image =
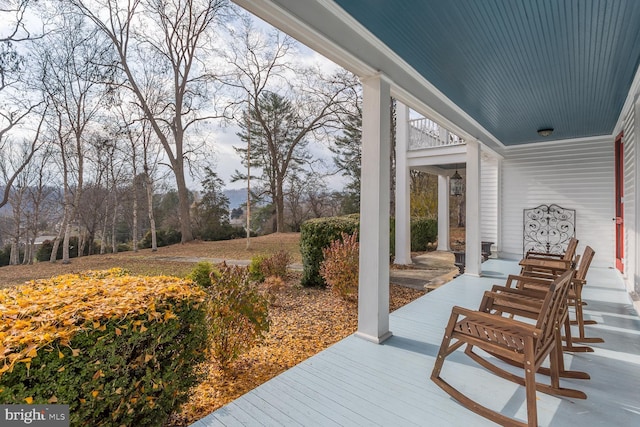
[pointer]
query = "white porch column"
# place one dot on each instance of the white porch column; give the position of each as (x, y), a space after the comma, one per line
(373, 293)
(403, 190)
(473, 250)
(443, 213)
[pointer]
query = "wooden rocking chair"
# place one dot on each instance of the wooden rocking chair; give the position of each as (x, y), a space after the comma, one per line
(557, 263)
(523, 296)
(568, 254)
(527, 345)
(574, 297)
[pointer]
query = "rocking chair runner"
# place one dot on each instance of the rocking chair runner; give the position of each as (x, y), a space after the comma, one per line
(525, 344)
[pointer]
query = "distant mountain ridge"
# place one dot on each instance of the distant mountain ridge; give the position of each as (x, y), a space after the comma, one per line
(237, 197)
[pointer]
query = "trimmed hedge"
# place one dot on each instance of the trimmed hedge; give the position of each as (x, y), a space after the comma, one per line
(318, 233)
(118, 349)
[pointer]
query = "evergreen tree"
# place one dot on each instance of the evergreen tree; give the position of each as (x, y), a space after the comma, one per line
(278, 148)
(211, 213)
(348, 152)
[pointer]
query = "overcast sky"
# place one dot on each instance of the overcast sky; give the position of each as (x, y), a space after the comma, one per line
(227, 161)
(224, 159)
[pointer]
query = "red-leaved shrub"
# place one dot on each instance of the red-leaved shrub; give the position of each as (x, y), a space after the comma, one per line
(340, 266)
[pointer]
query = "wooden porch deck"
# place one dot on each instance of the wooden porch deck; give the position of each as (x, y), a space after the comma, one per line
(358, 383)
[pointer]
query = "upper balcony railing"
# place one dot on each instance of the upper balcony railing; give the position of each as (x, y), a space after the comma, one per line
(425, 133)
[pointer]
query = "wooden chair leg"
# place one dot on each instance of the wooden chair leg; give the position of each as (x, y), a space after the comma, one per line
(561, 367)
(554, 388)
(570, 340)
(530, 383)
(582, 338)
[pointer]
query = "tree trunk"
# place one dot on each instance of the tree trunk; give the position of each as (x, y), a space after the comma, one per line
(14, 257)
(54, 249)
(56, 241)
(134, 238)
(81, 243)
(31, 251)
(183, 204)
(279, 202)
(152, 219)
(65, 244)
(103, 241)
(114, 243)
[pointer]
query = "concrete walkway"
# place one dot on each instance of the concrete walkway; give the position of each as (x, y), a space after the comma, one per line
(428, 271)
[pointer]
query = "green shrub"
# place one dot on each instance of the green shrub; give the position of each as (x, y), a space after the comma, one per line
(222, 232)
(5, 255)
(316, 234)
(255, 268)
(163, 238)
(423, 232)
(341, 265)
(274, 265)
(238, 315)
(119, 350)
(202, 274)
(124, 247)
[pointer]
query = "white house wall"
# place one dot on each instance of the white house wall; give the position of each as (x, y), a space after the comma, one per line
(489, 199)
(630, 201)
(573, 174)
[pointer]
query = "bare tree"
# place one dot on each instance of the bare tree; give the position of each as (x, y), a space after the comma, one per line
(149, 164)
(72, 74)
(16, 200)
(14, 107)
(168, 36)
(12, 163)
(39, 203)
(12, 15)
(290, 105)
(25, 199)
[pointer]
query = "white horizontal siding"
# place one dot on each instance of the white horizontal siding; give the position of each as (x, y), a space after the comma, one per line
(630, 202)
(576, 175)
(489, 200)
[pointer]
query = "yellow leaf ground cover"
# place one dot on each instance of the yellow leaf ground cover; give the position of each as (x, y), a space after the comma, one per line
(34, 315)
(304, 321)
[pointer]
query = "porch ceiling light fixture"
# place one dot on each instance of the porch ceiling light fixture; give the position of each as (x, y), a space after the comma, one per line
(545, 131)
(456, 184)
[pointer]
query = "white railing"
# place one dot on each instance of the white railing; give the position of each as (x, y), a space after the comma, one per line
(425, 133)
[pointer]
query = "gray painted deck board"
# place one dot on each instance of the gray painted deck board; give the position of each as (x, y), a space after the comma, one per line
(357, 383)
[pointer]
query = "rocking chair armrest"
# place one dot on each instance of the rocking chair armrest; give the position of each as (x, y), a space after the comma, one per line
(511, 304)
(526, 292)
(539, 275)
(527, 279)
(533, 254)
(546, 264)
(497, 322)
